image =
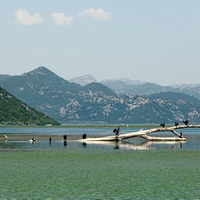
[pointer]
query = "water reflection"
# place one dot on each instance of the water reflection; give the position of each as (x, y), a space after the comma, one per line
(116, 145)
(84, 144)
(65, 143)
(147, 145)
(50, 140)
(45, 144)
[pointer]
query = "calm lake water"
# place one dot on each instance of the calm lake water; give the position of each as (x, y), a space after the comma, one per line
(193, 142)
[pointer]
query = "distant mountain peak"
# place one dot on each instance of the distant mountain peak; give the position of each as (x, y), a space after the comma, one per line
(131, 82)
(122, 81)
(83, 80)
(40, 70)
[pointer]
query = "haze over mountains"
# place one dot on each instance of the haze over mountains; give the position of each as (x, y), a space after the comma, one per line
(93, 102)
(83, 80)
(124, 85)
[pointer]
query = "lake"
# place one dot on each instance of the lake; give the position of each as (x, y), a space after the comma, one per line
(193, 136)
(98, 170)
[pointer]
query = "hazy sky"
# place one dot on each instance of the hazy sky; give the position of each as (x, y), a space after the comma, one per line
(150, 40)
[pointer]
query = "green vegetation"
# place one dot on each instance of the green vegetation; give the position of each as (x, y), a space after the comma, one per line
(100, 174)
(13, 111)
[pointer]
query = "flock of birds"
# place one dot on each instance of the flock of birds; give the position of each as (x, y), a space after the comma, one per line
(186, 122)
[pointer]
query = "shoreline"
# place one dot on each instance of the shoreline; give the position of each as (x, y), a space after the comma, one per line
(14, 137)
(81, 126)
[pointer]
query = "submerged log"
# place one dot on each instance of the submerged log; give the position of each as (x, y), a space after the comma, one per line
(143, 134)
(150, 138)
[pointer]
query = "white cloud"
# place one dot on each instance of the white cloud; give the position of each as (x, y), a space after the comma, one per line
(98, 14)
(23, 17)
(62, 19)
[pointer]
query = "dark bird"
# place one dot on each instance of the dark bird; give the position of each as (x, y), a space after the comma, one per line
(84, 136)
(186, 122)
(176, 123)
(181, 134)
(163, 125)
(116, 131)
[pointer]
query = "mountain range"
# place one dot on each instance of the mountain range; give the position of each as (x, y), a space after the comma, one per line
(152, 88)
(70, 102)
(124, 86)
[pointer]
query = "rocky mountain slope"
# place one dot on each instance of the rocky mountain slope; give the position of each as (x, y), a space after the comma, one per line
(51, 94)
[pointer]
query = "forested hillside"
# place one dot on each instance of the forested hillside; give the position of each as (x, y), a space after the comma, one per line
(14, 112)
